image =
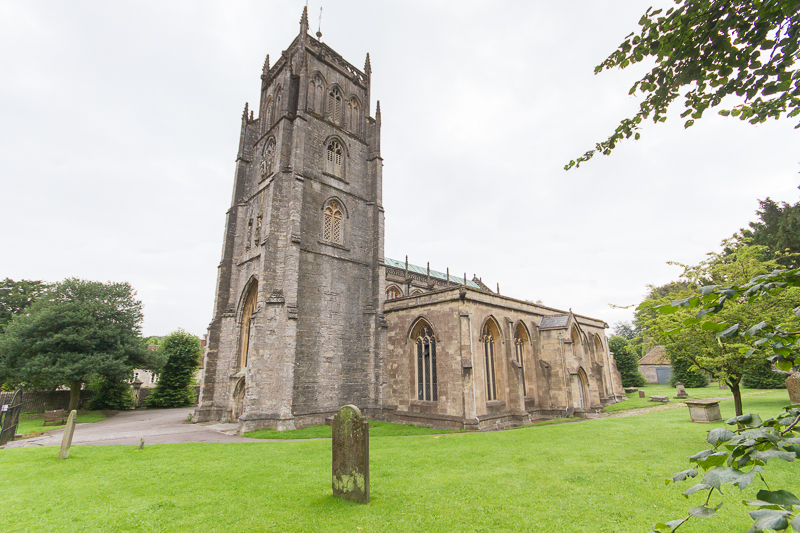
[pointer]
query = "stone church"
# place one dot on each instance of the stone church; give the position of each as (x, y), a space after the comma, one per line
(310, 315)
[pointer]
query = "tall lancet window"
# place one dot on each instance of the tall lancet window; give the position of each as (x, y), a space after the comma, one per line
(247, 323)
(427, 386)
(335, 105)
(353, 117)
(316, 94)
(334, 160)
(487, 338)
(332, 229)
(519, 354)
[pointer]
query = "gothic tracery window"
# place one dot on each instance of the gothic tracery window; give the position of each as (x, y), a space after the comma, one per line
(246, 324)
(427, 385)
(334, 158)
(487, 338)
(332, 229)
(316, 94)
(335, 105)
(392, 293)
(268, 159)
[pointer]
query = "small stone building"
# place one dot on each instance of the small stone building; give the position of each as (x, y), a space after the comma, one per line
(310, 315)
(655, 366)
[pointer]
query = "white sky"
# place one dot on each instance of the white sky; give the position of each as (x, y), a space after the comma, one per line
(119, 125)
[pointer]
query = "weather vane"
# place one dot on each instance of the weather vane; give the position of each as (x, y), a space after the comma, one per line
(319, 28)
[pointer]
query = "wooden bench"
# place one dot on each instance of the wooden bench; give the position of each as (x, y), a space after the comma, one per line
(55, 416)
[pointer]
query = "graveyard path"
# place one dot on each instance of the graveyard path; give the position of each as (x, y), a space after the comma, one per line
(156, 426)
(673, 404)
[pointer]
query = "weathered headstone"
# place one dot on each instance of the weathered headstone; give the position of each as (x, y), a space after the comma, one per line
(66, 441)
(659, 398)
(141, 443)
(793, 386)
(641, 394)
(350, 477)
(681, 391)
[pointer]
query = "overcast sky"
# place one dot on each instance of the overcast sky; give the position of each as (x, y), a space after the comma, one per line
(119, 125)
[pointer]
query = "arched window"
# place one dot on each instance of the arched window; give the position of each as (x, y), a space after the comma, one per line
(332, 229)
(316, 94)
(393, 292)
(598, 349)
(278, 100)
(335, 105)
(519, 354)
(269, 111)
(417, 292)
(427, 386)
(247, 319)
(353, 116)
(488, 340)
(334, 162)
(268, 158)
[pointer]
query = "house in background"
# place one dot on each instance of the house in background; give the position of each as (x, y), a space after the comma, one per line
(655, 366)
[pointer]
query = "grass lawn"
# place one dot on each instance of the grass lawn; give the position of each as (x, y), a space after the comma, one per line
(604, 475)
(33, 423)
(712, 391)
(323, 431)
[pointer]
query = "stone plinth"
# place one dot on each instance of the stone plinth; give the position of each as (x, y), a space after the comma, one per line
(659, 398)
(629, 390)
(793, 386)
(704, 410)
(350, 477)
(681, 391)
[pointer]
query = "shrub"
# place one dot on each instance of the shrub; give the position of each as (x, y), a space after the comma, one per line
(764, 377)
(627, 362)
(108, 393)
(174, 388)
(690, 378)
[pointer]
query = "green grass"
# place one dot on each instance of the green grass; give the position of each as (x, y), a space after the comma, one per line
(604, 475)
(323, 431)
(712, 391)
(33, 423)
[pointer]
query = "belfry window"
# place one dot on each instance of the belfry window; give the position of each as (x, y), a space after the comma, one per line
(353, 117)
(334, 158)
(268, 159)
(427, 386)
(392, 293)
(332, 229)
(335, 105)
(488, 353)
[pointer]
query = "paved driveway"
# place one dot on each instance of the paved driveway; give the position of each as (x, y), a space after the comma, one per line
(156, 426)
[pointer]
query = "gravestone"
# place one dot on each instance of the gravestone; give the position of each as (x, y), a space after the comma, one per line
(350, 477)
(641, 394)
(793, 386)
(659, 398)
(681, 391)
(629, 390)
(66, 441)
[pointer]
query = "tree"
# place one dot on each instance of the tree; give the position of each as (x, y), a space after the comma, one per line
(627, 330)
(627, 362)
(76, 330)
(682, 373)
(715, 49)
(722, 357)
(778, 231)
(16, 296)
(174, 387)
(764, 376)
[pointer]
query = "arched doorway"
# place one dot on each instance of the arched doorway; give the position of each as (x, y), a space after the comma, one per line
(583, 389)
(246, 323)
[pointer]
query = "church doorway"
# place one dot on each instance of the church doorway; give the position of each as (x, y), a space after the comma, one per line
(238, 399)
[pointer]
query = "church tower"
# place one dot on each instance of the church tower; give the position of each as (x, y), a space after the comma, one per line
(298, 328)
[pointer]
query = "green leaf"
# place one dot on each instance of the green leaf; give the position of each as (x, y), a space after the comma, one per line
(702, 511)
(778, 497)
(719, 475)
(796, 522)
(748, 420)
(715, 436)
(766, 455)
(745, 479)
(697, 488)
(680, 476)
(712, 326)
(729, 332)
(769, 519)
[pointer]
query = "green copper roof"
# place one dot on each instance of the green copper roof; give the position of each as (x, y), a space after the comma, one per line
(424, 271)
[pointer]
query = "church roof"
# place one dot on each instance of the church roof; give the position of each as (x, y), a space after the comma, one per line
(424, 271)
(554, 321)
(656, 356)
